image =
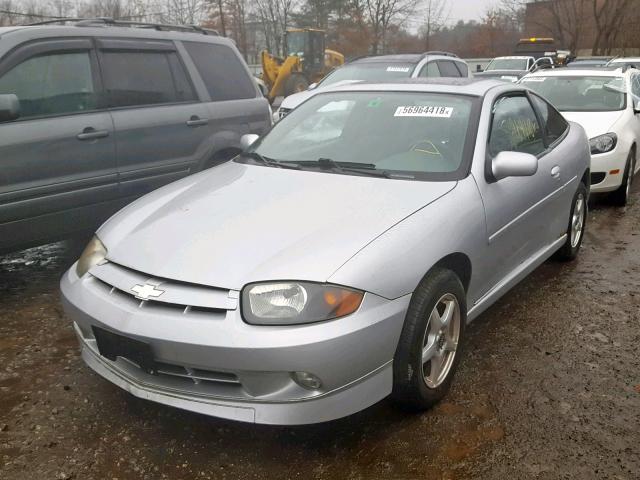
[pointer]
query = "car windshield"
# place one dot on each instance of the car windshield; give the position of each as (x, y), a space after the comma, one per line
(369, 72)
(579, 93)
(416, 134)
(507, 64)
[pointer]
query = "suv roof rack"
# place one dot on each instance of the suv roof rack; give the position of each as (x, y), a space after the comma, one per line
(438, 52)
(106, 21)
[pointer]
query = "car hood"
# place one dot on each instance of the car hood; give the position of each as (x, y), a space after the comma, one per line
(236, 224)
(594, 123)
(295, 99)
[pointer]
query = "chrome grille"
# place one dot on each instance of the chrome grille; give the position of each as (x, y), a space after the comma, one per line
(179, 297)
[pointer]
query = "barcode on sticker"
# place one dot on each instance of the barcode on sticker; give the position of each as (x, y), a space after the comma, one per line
(398, 69)
(424, 111)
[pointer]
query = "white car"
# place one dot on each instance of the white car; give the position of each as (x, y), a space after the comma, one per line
(606, 102)
(381, 69)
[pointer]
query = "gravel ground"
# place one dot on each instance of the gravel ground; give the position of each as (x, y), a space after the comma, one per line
(549, 388)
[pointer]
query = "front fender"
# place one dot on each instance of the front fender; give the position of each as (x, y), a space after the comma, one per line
(394, 264)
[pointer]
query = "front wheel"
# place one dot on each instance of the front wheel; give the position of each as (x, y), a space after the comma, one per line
(622, 195)
(577, 222)
(429, 348)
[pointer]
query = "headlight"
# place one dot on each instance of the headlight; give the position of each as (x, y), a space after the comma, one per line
(603, 143)
(292, 303)
(94, 253)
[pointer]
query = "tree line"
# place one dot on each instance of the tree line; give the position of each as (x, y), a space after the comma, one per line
(360, 27)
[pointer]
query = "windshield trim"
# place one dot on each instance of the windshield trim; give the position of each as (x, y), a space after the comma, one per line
(464, 169)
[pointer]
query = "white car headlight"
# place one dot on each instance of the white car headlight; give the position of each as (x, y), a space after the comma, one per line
(291, 303)
(603, 143)
(94, 253)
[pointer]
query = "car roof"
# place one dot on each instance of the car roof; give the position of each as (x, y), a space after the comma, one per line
(515, 57)
(402, 58)
(98, 30)
(625, 59)
(461, 86)
(585, 71)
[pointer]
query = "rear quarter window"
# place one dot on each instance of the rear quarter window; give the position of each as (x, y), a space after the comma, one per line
(222, 71)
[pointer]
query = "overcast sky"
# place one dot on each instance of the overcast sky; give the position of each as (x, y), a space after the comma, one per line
(469, 9)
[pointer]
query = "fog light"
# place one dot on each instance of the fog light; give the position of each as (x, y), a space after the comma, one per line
(307, 380)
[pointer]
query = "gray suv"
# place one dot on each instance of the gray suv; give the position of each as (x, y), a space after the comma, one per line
(95, 113)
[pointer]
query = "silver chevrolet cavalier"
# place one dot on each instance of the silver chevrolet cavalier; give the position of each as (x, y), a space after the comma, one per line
(339, 258)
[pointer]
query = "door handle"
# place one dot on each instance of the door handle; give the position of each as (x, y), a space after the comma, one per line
(196, 121)
(91, 133)
(555, 172)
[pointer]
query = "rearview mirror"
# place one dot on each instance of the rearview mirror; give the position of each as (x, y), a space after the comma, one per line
(9, 107)
(514, 164)
(247, 140)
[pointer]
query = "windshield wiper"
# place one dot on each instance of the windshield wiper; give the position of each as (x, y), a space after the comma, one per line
(347, 167)
(269, 161)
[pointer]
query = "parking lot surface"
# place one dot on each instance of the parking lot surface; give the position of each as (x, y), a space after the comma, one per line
(549, 387)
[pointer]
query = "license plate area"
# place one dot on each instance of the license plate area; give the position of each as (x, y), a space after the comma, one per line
(111, 346)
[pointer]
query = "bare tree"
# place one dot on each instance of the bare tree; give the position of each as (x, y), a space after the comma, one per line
(436, 14)
(609, 16)
(381, 14)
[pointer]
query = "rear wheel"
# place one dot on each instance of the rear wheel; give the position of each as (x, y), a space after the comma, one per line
(622, 195)
(429, 348)
(296, 82)
(577, 222)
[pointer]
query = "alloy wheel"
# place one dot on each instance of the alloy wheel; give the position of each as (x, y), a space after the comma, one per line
(440, 341)
(577, 220)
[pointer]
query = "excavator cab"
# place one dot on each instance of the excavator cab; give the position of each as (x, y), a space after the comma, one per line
(306, 61)
(308, 45)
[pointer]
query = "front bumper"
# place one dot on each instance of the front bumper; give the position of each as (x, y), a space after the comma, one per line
(603, 164)
(216, 364)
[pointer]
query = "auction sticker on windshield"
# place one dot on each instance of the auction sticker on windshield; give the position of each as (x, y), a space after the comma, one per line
(424, 111)
(398, 69)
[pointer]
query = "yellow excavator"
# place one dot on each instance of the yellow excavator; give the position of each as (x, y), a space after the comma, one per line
(307, 62)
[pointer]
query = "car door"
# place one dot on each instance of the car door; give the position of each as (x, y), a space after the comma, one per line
(57, 160)
(160, 126)
(518, 209)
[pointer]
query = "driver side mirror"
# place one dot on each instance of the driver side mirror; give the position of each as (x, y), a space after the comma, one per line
(9, 107)
(313, 86)
(247, 140)
(636, 106)
(514, 164)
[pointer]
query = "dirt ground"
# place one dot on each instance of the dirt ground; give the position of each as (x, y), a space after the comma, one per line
(549, 388)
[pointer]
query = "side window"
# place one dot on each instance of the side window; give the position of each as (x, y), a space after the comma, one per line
(515, 127)
(52, 84)
(448, 69)
(554, 124)
(463, 68)
(135, 78)
(222, 71)
(430, 70)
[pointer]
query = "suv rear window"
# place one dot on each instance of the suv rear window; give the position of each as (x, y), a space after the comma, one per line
(222, 71)
(144, 78)
(448, 68)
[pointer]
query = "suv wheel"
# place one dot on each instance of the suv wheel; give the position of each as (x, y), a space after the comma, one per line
(429, 348)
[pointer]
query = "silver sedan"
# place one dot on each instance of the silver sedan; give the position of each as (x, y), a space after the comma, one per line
(337, 260)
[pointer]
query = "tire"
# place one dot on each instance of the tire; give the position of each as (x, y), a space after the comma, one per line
(296, 82)
(569, 251)
(621, 196)
(410, 387)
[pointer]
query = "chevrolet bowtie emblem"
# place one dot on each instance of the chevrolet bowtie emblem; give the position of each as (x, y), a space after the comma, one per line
(146, 291)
